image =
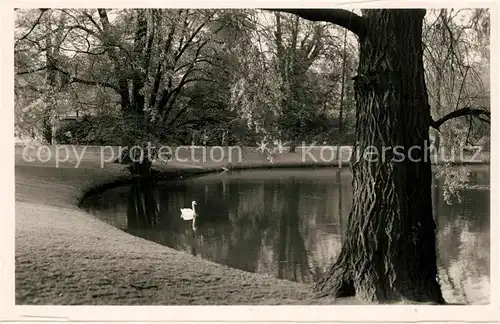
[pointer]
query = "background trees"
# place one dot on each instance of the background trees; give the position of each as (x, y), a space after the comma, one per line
(456, 56)
(258, 73)
(176, 71)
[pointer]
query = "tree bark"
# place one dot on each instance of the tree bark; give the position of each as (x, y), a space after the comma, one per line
(389, 251)
(341, 107)
(341, 17)
(439, 81)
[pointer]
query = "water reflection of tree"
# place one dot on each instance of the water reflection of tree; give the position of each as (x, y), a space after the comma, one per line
(340, 203)
(242, 235)
(324, 241)
(463, 245)
(292, 262)
(143, 205)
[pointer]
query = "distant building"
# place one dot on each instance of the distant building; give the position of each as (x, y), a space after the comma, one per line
(63, 121)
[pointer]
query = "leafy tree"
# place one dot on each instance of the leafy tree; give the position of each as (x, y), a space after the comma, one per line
(43, 95)
(295, 54)
(456, 57)
(287, 82)
(302, 49)
(150, 67)
(255, 92)
(183, 67)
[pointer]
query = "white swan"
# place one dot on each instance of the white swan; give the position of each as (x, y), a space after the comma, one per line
(189, 213)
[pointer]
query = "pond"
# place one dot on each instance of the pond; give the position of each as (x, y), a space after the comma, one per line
(289, 223)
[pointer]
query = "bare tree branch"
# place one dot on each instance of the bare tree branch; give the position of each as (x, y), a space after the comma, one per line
(466, 111)
(85, 29)
(89, 16)
(103, 15)
(341, 17)
(42, 11)
(32, 71)
(74, 79)
(188, 42)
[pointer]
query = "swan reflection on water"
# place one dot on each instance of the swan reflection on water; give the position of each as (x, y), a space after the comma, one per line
(289, 223)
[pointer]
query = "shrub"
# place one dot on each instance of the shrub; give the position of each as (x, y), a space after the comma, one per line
(92, 130)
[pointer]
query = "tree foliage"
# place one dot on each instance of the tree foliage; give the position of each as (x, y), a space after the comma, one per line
(457, 70)
(172, 72)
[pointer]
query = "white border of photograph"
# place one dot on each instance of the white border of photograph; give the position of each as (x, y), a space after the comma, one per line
(202, 314)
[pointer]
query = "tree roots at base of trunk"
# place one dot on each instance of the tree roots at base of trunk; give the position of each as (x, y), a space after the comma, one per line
(338, 284)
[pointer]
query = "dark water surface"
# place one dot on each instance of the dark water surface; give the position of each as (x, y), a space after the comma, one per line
(289, 223)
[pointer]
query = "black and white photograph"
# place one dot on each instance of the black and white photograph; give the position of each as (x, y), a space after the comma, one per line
(246, 156)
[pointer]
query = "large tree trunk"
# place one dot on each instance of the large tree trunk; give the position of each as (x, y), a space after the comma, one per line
(137, 136)
(47, 129)
(133, 101)
(389, 251)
